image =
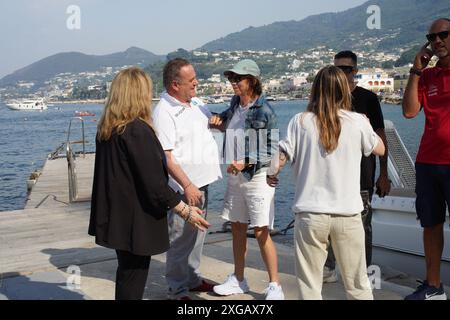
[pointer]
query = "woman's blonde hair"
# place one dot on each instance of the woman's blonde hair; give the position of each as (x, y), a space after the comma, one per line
(330, 93)
(130, 98)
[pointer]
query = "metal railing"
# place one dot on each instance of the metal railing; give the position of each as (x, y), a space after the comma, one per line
(401, 167)
(83, 141)
(71, 157)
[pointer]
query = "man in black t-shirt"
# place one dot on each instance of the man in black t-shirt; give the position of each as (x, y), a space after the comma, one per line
(365, 102)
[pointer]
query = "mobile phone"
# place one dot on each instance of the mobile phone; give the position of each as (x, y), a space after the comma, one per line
(427, 57)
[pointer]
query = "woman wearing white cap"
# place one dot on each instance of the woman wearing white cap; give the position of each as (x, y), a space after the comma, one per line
(251, 130)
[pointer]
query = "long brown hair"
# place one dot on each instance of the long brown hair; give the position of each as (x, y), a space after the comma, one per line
(255, 85)
(130, 98)
(330, 93)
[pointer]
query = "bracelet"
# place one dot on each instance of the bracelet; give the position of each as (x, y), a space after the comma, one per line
(415, 71)
(190, 184)
(189, 217)
(190, 214)
(182, 210)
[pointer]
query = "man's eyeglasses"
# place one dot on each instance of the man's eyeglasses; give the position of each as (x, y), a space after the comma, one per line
(442, 35)
(235, 78)
(346, 69)
(187, 83)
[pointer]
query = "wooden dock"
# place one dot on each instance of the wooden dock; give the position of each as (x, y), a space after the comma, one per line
(39, 244)
(52, 189)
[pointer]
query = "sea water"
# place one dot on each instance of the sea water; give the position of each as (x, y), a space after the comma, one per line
(27, 137)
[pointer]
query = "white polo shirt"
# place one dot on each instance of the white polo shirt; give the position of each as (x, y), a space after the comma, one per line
(184, 130)
(328, 182)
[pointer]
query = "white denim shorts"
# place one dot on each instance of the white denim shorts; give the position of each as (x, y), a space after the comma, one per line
(251, 202)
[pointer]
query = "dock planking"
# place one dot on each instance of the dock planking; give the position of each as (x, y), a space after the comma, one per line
(53, 183)
(49, 235)
(28, 236)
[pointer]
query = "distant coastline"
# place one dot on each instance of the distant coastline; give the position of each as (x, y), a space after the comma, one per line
(54, 102)
(89, 101)
(386, 100)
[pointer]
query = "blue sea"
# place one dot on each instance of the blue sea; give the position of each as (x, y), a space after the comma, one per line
(27, 137)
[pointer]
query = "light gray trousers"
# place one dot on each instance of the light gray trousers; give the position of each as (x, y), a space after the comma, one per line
(311, 235)
(184, 255)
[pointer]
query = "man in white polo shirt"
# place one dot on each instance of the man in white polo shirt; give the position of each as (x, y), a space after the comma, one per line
(181, 122)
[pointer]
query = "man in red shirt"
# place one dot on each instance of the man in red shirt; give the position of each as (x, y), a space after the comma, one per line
(429, 89)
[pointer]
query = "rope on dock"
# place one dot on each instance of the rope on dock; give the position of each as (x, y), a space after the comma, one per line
(55, 198)
(56, 154)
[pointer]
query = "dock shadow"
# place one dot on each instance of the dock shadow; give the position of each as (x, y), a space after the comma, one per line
(39, 286)
(101, 264)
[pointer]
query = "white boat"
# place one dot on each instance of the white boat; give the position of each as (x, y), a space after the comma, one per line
(38, 104)
(397, 234)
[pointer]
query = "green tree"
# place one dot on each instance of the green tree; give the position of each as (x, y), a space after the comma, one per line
(388, 64)
(407, 56)
(180, 53)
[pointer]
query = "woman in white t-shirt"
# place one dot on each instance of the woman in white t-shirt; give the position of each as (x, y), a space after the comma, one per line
(325, 145)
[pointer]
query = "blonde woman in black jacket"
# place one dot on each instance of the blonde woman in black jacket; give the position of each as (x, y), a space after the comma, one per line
(130, 195)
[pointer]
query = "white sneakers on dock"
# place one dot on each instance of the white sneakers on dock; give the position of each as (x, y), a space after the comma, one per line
(274, 292)
(329, 275)
(233, 286)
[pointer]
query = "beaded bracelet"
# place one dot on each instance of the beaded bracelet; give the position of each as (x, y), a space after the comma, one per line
(186, 218)
(182, 211)
(189, 218)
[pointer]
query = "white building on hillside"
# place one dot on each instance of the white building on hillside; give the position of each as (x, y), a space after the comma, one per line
(295, 64)
(215, 78)
(274, 85)
(375, 80)
(300, 79)
(27, 85)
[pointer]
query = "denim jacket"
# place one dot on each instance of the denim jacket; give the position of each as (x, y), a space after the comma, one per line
(261, 123)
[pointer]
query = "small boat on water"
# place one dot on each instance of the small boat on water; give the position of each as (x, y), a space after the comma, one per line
(84, 114)
(38, 104)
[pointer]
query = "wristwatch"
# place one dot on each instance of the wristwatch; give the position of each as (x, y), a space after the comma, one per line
(415, 71)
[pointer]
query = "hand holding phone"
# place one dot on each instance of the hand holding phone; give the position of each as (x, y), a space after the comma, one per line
(423, 57)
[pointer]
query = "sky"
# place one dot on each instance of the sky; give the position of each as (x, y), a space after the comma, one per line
(34, 29)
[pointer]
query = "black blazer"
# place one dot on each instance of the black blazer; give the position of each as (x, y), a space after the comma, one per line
(130, 194)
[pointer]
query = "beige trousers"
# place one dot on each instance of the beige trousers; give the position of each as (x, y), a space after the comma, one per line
(347, 239)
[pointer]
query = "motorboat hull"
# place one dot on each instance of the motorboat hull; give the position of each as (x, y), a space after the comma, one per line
(398, 237)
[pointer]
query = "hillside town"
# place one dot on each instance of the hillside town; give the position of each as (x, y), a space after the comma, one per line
(287, 75)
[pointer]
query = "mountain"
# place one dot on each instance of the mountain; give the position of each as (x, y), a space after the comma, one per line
(403, 23)
(76, 62)
(408, 56)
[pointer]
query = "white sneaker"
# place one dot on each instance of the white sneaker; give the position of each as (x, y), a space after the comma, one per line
(274, 292)
(329, 275)
(231, 286)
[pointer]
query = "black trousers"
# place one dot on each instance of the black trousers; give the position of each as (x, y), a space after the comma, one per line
(366, 217)
(131, 275)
